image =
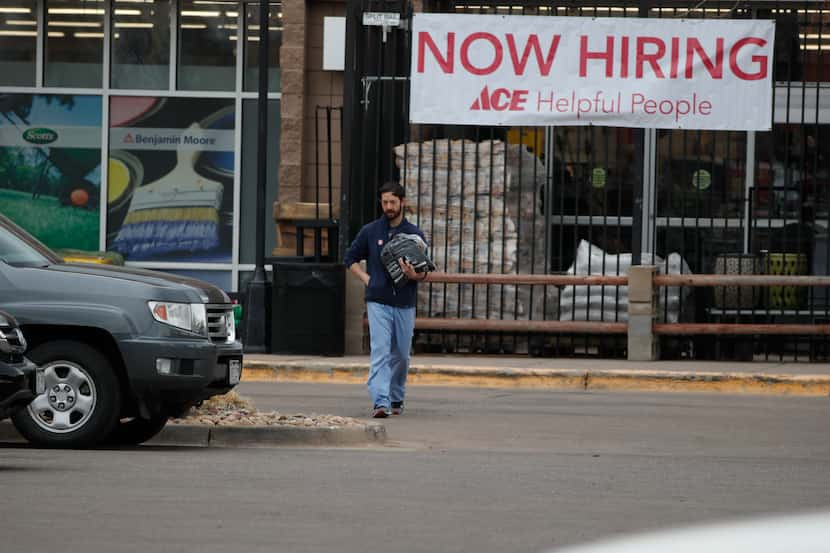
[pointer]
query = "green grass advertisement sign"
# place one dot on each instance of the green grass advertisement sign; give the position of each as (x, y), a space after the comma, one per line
(50, 167)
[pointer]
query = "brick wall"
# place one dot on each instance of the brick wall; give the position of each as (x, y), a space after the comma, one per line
(303, 142)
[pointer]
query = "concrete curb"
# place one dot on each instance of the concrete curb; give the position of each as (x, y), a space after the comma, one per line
(600, 379)
(195, 435)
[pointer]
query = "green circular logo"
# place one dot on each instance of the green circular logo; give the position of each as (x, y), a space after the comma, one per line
(701, 179)
(40, 136)
(598, 177)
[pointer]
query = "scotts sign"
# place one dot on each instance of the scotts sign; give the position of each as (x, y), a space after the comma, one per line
(40, 136)
(622, 72)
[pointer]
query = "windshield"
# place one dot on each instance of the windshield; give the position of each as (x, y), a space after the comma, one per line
(19, 249)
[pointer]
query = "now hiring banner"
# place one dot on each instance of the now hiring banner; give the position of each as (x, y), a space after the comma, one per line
(623, 72)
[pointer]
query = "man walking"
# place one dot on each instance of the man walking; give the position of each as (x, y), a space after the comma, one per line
(391, 310)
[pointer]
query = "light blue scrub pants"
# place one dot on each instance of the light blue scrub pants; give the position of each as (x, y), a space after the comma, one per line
(390, 330)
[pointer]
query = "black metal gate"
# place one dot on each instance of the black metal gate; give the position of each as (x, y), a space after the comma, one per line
(597, 199)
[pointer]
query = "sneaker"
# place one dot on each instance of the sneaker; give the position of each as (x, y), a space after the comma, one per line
(380, 412)
(397, 407)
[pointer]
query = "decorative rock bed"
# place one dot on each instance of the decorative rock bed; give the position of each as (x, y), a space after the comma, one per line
(232, 409)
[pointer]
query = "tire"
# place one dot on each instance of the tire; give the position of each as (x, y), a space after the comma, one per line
(136, 431)
(82, 402)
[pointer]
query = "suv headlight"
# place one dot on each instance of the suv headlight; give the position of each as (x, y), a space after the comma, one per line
(186, 316)
(230, 326)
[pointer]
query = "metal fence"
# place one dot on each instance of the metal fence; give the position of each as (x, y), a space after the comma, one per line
(593, 200)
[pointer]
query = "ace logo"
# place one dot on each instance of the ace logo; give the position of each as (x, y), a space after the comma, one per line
(501, 99)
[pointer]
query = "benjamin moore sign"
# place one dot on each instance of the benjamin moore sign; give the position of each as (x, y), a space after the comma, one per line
(130, 138)
(625, 72)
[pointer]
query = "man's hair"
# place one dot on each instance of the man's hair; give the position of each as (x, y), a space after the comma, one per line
(394, 188)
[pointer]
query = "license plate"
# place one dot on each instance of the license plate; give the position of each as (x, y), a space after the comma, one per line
(234, 371)
(40, 381)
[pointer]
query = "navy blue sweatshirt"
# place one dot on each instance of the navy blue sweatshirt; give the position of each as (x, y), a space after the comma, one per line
(368, 245)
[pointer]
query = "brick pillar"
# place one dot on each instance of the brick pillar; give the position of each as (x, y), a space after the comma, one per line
(292, 83)
(643, 345)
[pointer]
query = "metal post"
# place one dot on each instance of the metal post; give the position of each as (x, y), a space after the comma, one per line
(351, 180)
(257, 306)
(640, 134)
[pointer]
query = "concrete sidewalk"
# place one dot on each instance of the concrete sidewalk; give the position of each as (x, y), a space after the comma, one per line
(811, 379)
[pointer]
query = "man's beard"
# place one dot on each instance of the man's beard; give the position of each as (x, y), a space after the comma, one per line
(392, 214)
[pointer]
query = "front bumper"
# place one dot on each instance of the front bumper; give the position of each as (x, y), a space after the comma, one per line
(18, 386)
(198, 368)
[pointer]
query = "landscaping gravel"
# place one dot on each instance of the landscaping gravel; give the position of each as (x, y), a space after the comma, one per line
(232, 409)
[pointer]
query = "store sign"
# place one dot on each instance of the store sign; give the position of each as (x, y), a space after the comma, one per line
(171, 139)
(53, 137)
(622, 72)
(40, 136)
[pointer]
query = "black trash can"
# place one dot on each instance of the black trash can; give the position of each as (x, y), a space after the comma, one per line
(308, 315)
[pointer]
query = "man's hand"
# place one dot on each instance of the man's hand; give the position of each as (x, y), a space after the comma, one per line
(357, 270)
(409, 270)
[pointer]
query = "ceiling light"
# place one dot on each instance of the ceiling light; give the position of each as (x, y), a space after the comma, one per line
(193, 26)
(200, 13)
(22, 23)
(134, 25)
(18, 33)
(74, 24)
(232, 14)
(56, 34)
(14, 10)
(76, 11)
(128, 12)
(88, 35)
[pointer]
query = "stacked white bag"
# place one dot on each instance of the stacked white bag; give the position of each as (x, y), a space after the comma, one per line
(455, 191)
(610, 303)
(473, 200)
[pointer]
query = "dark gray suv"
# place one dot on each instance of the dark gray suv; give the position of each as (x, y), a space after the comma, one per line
(122, 349)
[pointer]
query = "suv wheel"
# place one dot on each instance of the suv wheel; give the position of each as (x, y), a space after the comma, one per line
(136, 431)
(82, 400)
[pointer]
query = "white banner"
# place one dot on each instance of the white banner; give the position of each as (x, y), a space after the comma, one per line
(622, 72)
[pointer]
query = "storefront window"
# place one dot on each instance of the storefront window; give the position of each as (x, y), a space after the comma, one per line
(252, 47)
(141, 45)
(171, 175)
(791, 207)
(791, 173)
(700, 174)
(594, 171)
(247, 225)
(802, 41)
(74, 43)
(18, 42)
(50, 167)
(207, 45)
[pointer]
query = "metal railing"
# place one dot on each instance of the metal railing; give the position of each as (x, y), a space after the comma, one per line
(667, 329)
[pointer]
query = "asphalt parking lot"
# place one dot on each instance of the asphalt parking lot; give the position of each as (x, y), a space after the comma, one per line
(464, 469)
